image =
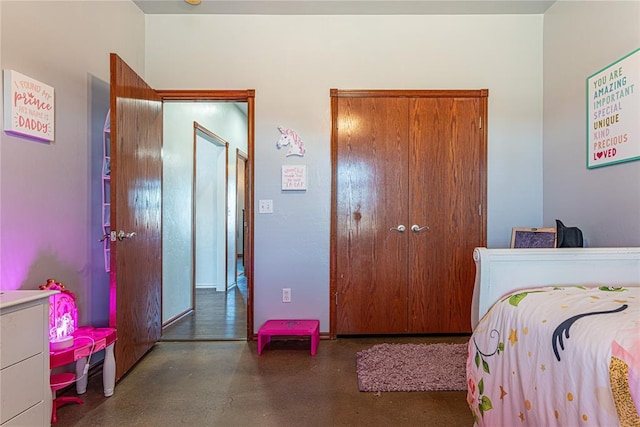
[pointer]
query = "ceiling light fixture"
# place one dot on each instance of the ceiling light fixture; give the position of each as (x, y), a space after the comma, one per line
(192, 2)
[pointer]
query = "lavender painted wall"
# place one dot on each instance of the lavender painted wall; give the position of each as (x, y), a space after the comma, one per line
(604, 202)
(47, 217)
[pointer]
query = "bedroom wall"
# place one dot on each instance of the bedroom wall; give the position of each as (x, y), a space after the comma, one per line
(580, 39)
(48, 226)
(293, 61)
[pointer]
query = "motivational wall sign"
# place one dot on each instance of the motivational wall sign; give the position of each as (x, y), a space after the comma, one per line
(294, 177)
(28, 107)
(613, 112)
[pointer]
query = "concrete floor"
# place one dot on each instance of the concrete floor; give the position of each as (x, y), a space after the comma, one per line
(225, 383)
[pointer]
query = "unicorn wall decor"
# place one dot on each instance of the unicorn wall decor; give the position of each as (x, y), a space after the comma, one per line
(291, 139)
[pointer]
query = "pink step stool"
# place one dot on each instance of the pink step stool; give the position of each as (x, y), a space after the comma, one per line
(289, 327)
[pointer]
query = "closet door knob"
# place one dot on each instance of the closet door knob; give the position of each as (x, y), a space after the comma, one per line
(416, 228)
(399, 229)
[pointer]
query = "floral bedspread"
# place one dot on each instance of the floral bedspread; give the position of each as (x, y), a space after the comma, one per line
(557, 356)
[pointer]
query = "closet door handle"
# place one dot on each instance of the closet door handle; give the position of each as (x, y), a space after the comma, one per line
(122, 235)
(399, 229)
(416, 228)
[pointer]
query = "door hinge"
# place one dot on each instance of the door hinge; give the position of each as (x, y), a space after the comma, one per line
(480, 122)
(336, 298)
(480, 209)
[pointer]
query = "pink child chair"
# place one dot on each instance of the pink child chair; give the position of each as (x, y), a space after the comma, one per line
(59, 381)
(63, 319)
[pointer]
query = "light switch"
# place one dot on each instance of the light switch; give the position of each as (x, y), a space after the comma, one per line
(265, 206)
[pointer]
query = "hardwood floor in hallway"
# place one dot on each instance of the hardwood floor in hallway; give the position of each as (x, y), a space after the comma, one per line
(217, 316)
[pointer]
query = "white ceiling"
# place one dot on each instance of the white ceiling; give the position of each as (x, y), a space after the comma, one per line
(346, 7)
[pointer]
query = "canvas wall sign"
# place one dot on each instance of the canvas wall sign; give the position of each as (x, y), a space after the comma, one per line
(613, 108)
(29, 108)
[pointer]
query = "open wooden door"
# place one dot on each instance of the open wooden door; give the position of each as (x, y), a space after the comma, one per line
(136, 239)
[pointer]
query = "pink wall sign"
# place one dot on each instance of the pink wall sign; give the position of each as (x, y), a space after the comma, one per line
(28, 107)
(294, 177)
(613, 109)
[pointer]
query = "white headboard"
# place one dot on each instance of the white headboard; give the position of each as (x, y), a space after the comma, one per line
(499, 271)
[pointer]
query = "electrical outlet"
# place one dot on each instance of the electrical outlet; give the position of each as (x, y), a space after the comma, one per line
(286, 294)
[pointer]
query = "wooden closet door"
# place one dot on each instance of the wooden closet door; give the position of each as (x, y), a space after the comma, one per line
(411, 158)
(370, 202)
(446, 163)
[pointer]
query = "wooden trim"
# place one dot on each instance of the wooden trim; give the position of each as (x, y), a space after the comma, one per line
(198, 126)
(333, 286)
(221, 143)
(177, 317)
(247, 96)
(389, 93)
(248, 250)
(204, 95)
(484, 114)
(194, 234)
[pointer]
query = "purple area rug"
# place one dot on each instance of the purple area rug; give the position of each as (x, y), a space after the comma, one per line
(412, 367)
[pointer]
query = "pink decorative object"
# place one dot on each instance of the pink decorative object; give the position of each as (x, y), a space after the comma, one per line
(289, 138)
(63, 315)
(87, 341)
(289, 327)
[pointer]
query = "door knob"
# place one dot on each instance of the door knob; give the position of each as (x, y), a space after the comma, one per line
(399, 228)
(416, 228)
(122, 235)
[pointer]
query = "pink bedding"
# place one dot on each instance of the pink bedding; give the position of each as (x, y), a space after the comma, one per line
(557, 356)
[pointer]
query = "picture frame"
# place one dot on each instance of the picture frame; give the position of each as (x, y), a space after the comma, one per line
(532, 237)
(613, 129)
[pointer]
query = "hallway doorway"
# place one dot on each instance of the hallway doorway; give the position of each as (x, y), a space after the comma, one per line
(196, 308)
(219, 310)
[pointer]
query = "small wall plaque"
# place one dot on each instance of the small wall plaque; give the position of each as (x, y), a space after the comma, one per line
(294, 177)
(28, 107)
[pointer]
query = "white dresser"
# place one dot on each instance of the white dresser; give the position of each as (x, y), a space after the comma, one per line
(25, 395)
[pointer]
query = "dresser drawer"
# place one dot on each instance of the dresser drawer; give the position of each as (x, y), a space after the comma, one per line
(21, 386)
(31, 417)
(21, 333)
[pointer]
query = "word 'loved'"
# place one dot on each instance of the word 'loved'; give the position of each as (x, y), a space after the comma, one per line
(606, 154)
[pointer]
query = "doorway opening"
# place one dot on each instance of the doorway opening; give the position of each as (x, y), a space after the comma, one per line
(216, 302)
(218, 309)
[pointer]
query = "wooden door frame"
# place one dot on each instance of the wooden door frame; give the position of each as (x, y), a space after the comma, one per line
(243, 157)
(218, 142)
(247, 96)
(365, 93)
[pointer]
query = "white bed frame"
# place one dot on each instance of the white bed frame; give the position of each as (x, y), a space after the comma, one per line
(499, 271)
